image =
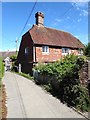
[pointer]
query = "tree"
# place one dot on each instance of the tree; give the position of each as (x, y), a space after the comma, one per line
(87, 50)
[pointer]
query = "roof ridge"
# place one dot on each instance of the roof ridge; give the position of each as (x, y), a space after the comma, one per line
(34, 25)
(58, 30)
(50, 36)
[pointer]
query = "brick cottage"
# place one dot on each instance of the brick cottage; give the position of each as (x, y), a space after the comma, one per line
(42, 45)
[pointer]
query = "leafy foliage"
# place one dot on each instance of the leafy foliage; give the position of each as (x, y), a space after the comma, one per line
(13, 57)
(63, 81)
(26, 76)
(14, 63)
(87, 50)
(1, 70)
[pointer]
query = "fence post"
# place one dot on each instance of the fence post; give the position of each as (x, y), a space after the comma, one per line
(19, 68)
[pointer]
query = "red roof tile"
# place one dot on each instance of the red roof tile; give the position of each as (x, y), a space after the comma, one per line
(53, 37)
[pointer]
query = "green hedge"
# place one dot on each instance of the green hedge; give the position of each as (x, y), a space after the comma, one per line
(87, 50)
(1, 70)
(62, 79)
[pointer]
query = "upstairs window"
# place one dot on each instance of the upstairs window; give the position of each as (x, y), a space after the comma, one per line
(27, 50)
(65, 50)
(45, 49)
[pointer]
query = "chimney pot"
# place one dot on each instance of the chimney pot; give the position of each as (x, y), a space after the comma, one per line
(39, 19)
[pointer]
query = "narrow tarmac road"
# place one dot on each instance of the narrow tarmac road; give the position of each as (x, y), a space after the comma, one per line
(27, 100)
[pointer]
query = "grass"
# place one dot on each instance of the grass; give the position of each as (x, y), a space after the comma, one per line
(26, 76)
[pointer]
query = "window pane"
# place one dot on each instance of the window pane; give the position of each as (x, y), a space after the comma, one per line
(26, 50)
(45, 48)
(65, 50)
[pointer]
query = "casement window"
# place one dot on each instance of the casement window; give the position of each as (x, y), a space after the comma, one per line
(65, 50)
(27, 50)
(45, 49)
(80, 52)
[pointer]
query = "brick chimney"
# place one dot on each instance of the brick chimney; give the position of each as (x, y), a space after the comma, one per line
(39, 19)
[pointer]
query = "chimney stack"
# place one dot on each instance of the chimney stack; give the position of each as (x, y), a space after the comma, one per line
(39, 19)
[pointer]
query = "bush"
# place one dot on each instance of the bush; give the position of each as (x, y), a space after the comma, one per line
(14, 63)
(1, 70)
(87, 50)
(63, 81)
(13, 57)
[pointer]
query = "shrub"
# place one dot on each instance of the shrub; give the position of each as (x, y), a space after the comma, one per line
(63, 81)
(87, 50)
(14, 63)
(13, 57)
(1, 70)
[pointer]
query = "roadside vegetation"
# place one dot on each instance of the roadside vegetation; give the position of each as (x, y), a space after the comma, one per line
(15, 69)
(62, 80)
(3, 108)
(1, 70)
(26, 75)
(87, 51)
(14, 60)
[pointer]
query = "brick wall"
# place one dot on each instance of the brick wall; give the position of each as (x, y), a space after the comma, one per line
(53, 55)
(74, 51)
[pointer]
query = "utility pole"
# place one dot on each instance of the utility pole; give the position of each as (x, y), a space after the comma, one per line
(16, 45)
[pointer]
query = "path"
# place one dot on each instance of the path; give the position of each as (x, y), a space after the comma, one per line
(27, 100)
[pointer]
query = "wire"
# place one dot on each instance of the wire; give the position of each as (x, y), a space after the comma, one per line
(24, 25)
(28, 19)
(68, 10)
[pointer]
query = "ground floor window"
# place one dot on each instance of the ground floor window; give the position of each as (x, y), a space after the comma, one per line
(80, 51)
(65, 50)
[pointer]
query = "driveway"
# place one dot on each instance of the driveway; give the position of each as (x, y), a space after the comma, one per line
(27, 100)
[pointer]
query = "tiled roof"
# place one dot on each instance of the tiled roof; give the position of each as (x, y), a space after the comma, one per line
(53, 37)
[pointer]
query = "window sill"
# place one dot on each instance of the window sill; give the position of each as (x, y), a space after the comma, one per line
(45, 53)
(65, 53)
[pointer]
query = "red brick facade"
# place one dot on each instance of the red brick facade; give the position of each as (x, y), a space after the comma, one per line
(53, 55)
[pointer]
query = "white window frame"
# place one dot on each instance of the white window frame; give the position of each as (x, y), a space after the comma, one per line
(45, 49)
(27, 50)
(65, 51)
(80, 51)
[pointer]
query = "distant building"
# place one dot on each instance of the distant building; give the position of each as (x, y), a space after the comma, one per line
(5, 54)
(43, 44)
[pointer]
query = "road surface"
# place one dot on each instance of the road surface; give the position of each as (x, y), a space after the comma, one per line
(27, 100)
